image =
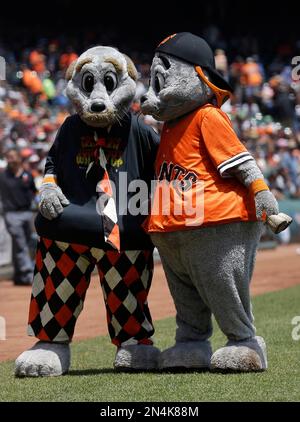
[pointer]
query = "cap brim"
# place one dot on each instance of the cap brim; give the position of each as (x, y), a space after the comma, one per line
(218, 80)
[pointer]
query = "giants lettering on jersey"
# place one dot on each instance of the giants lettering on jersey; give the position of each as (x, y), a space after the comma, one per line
(181, 178)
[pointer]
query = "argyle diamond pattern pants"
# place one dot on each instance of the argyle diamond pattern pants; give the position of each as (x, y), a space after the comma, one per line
(61, 279)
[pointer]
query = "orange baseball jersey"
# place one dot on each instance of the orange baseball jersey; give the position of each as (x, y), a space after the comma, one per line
(195, 155)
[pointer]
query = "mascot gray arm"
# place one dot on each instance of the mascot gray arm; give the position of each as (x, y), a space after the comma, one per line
(247, 173)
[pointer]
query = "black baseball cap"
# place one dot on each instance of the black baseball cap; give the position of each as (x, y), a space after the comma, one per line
(194, 50)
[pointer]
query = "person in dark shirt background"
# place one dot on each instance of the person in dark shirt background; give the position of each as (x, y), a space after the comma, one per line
(17, 191)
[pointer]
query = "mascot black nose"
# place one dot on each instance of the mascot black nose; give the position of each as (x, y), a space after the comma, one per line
(97, 107)
(143, 98)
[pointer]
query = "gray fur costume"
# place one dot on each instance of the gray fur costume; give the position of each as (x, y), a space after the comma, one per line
(209, 268)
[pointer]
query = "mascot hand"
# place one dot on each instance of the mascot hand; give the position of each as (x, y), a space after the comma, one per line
(265, 203)
(52, 201)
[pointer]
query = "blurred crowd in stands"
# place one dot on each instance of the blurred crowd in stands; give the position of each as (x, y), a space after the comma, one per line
(265, 107)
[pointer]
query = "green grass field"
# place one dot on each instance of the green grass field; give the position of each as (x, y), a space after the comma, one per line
(92, 378)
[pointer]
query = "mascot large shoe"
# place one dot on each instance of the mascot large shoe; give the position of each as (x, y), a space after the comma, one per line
(85, 220)
(207, 168)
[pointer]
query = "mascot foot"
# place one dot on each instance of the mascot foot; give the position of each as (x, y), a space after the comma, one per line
(138, 357)
(43, 360)
(187, 355)
(241, 356)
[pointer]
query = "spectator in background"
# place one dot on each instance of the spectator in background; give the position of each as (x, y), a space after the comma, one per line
(17, 191)
(37, 60)
(284, 102)
(67, 58)
(251, 78)
(289, 162)
(32, 82)
(221, 62)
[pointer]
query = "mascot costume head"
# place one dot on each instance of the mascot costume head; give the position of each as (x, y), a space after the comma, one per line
(183, 77)
(101, 86)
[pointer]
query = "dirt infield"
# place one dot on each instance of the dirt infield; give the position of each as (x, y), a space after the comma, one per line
(276, 269)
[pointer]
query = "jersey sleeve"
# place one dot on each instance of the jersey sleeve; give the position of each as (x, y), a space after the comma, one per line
(223, 146)
(32, 185)
(52, 157)
(153, 139)
(150, 142)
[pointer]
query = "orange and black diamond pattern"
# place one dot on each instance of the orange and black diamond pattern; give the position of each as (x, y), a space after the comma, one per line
(61, 279)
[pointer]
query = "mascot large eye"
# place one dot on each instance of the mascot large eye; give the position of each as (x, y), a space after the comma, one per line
(87, 82)
(110, 81)
(165, 61)
(159, 82)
